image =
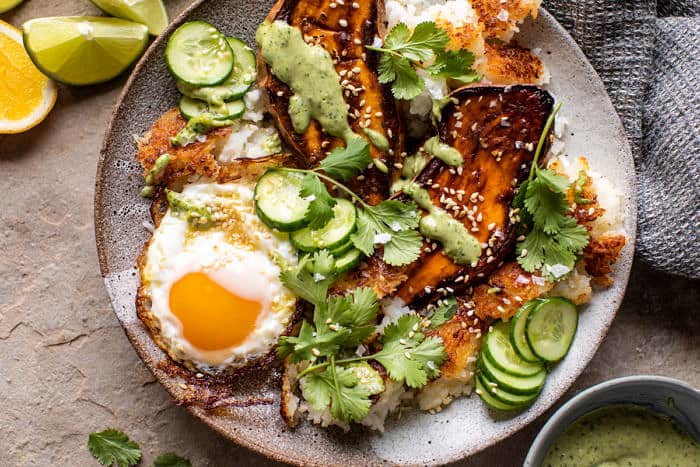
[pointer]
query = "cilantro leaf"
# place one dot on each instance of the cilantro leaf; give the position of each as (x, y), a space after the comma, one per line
(398, 36)
(547, 207)
(403, 248)
(553, 181)
(406, 82)
(426, 40)
(342, 389)
(398, 215)
(394, 223)
(363, 237)
(345, 163)
(443, 313)
(321, 206)
(454, 64)
(112, 446)
(531, 254)
(320, 262)
(312, 345)
(572, 235)
(303, 283)
(169, 459)
(408, 355)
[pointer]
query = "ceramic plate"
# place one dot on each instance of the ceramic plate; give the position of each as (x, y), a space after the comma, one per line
(252, 419)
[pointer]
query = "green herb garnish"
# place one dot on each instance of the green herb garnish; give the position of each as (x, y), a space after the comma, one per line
(335, 377)
(445, 310)
(578, 188)
(391, 223)
(404, 50)
(169, 459)
(554, 238)
(112, 446)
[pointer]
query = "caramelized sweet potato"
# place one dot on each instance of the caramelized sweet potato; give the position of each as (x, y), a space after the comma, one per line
(496, 130)
(342, 30)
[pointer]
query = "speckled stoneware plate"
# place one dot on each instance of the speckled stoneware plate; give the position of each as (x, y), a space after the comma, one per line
(252, 419)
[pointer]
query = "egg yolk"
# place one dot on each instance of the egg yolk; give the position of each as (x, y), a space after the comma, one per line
(212, 317)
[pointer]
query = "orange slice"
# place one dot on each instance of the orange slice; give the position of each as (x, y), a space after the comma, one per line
(26, 95)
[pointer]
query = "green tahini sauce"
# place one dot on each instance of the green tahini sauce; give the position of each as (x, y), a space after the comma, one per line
(442, 151)
(379, 140)
(308, 70)
(413, 164)
(622, 436)
(439, 225)
(196, 126)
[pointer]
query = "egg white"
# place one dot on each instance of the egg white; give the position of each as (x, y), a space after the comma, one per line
(240, 253)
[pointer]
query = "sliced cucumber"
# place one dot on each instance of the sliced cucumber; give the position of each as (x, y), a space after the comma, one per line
(199, 55)
(551, 328)
(348, 261)
(278, 202)
(514, 384)
(517, 332)
(234, 87)
(499, 349)
(332, 235)
(515, 400)
(342, 249)
(244, 69)
(488, 399)
(192, 107)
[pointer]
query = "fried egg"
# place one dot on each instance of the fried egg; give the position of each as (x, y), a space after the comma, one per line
(211, 293)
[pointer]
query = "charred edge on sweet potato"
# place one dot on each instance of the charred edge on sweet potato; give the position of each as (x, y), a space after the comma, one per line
(496, 130)
(319, 24)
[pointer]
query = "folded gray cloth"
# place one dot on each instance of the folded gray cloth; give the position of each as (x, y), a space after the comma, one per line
(647, 52)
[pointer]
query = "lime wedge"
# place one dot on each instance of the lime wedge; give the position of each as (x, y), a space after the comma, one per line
(152, 13)
(81, 50)
(7, 5)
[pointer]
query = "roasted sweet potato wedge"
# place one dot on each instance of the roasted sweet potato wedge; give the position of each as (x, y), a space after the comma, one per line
(496, 130)
(343, 29)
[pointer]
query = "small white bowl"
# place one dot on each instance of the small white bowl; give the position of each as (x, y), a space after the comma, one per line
(668, 396)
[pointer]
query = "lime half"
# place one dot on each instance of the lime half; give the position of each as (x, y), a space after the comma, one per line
(152, 13)
(7, 5)
(81, 50)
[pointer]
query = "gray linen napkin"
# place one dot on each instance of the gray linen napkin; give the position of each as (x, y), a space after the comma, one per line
(647, 53)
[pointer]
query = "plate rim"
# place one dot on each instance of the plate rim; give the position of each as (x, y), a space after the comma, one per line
(262, 449)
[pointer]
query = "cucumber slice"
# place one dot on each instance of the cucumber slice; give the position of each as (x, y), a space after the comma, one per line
(192, 107)
(488, 399)
(277, 200)
(348, 261)
(332, 235)
(551, 328)
(514, 384)
(517, 332)
(198, 54)
(500, 350)
(342, 249)
(244, 69)
(234, 87)
(515, 400)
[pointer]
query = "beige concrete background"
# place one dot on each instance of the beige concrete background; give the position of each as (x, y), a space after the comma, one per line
(67, 369)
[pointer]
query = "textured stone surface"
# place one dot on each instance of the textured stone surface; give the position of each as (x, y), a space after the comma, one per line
(66, 368)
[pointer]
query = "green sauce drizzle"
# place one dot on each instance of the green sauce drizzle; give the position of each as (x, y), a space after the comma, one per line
(198, 125)
(376, 138)
(413, 164)
(444, 152)
(439, 225)
(308, 70)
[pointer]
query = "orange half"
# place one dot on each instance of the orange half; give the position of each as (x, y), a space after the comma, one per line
(26, 95)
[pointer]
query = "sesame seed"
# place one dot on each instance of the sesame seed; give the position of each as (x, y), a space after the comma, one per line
(315, 351)
(357, 41)
(355, 5)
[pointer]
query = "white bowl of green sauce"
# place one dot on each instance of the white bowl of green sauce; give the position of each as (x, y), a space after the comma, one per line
(626, 421)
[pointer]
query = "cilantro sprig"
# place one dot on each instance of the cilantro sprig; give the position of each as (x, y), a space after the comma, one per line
(392, 224)
(554, 239)
(424, 48)
(335, 377)
(114, 447)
